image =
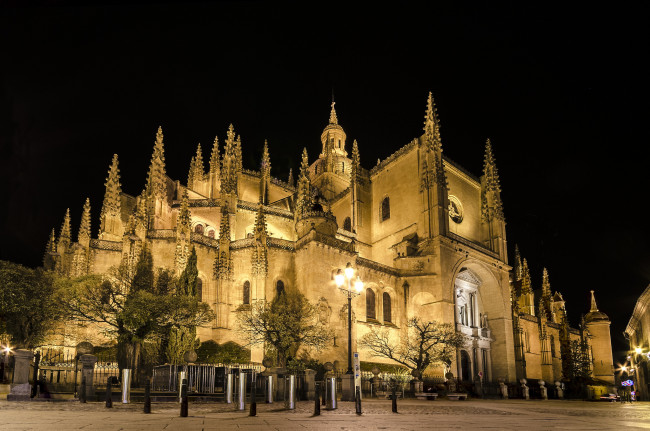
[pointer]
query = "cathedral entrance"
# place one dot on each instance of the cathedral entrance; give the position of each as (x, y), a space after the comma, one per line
(472, 321)
(465, 366)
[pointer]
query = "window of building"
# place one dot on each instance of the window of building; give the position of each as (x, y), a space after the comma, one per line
(198, 229)
(385, 209)
(279, 287)
(199, 289)
(527, 341)
(247, 292)
(552, 341)
(370, 304)
(387, 307)
(347, 224)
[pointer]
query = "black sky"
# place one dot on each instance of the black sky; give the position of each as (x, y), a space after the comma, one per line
(561, 92)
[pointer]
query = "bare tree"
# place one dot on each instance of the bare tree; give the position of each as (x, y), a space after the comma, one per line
(426, 343)
(284, 324)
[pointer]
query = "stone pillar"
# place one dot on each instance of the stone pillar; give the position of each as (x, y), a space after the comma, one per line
(347, 387)
(20, 388)
(503, 388)
(87, 371)
(543, 390)
(310, 384)
(524, 389)
(558, 388)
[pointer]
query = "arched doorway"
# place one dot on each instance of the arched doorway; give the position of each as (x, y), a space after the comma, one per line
(465, 366)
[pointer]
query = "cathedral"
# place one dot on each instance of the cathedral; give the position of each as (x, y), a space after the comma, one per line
(424, 236)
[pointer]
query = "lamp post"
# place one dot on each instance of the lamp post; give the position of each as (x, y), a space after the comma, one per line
(343, 281)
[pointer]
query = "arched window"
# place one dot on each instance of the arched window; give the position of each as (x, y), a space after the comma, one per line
(198, 229)
(199, 289)
(279, 287)
(370, 304)
(385, 209)
(247, 292)
(552, 341)
(347, 224)
(387, 308)
(211, 233)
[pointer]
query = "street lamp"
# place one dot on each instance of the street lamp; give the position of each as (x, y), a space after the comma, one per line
(351, 291)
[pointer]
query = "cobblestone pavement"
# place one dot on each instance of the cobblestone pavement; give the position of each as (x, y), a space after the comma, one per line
(377, 415)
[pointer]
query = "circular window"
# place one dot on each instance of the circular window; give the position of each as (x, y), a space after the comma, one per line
(455, 209)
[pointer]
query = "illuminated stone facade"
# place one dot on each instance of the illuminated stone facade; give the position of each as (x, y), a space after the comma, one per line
(426, 237)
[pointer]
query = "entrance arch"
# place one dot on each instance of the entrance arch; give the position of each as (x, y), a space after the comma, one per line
(465, 366)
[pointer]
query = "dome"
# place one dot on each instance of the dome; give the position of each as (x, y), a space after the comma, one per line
(595, 316)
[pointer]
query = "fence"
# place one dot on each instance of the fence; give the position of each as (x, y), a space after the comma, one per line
(201, 378)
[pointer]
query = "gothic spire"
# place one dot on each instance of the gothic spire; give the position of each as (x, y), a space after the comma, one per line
(84, 227)
(190, 174)
(199, 168)
(492, 207)
(518, 268)
(356, 166)
(259, 257)
(238, 154)
(265, 168)
(214, 157)
(546, 285)
(156, 178)
(111, 204)
(333, 119)
(490, 169)
(51, 243)
(304, 186)
(432, 126)
(65, 227)
(229, 163)
(526, 287)
(594, 307)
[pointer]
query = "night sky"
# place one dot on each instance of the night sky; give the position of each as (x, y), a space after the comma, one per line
(562, 94)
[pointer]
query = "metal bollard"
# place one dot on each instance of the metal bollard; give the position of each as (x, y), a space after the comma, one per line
(269, 390)
(229, 388)
(394, 398)
(241, 396)
(290, 401)
(358, 400)
(109, 392)
(253, 408)
(82, 391)
(317, 399)
(323, 392)
(184, 400)
(331, 393)
(126, 386)
(147, 396)
(182, 375)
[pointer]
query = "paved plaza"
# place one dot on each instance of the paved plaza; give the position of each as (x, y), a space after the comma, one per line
(377, 415)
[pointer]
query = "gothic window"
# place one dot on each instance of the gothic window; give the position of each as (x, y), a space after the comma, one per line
(552, 341)
(342, 167)
(370, 304)
(385, 209)
(527, 341)
(211, 233)
(198, 229)
(247, 292)
(387, 307)
(199, 289)
(347, 224)
(279, 287)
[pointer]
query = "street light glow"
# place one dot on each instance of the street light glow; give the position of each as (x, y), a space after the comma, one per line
(638, 350)
(338, 278)
(349, 271)
(358, 285)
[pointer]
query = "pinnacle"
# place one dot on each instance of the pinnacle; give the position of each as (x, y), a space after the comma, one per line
(84, 227)
(65, 227)
(594, 307)
(214, 156)
(266, 159)
(333, 118)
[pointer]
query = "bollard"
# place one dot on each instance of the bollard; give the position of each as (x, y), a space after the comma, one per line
(126, 386)
(184, 400)
(331, 393)
(253, 409)
(317, 400)
(182, 375)
(147, 396)
(229, 388)
(290, 402)
(109, 391)
(241, 396)
(269, 389)
(358, 399)
(323, 392)
(394, 397)
(82, 391)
